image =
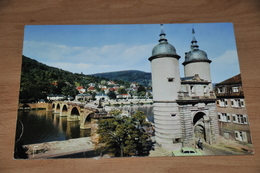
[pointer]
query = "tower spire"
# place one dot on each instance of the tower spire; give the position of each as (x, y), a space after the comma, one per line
(162, 36)
(194, 45)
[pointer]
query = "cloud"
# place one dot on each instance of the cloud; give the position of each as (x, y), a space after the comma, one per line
(229, 57)
(225, 66)
(112, 57)
(76, 67)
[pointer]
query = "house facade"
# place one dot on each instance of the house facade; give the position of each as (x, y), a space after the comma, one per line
(231, 109)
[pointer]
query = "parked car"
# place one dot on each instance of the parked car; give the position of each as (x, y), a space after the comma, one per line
(187, 151)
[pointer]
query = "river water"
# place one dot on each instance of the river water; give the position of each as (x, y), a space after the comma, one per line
(39, 126)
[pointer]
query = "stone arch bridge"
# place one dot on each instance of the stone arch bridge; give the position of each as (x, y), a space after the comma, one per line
(76, 111)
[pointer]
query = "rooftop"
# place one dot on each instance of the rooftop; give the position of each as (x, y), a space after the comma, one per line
(233, 80)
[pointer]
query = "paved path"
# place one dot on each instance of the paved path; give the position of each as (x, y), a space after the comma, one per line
(59, 148)
(159, 152)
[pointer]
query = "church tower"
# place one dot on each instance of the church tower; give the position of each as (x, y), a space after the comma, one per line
(197, 62)
(166, 85)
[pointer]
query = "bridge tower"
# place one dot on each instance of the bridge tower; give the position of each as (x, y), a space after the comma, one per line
(166, 84)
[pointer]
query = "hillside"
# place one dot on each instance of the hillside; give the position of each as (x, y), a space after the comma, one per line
(143, 78)
(38, 80)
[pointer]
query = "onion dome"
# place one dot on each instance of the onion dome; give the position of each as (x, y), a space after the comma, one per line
(195, 55)
(163, 49)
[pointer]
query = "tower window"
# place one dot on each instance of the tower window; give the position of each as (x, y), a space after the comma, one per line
(173, 115)
(170, 79)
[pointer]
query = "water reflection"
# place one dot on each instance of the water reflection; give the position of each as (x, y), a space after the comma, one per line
(38, 126)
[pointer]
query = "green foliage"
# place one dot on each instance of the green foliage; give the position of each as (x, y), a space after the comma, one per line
(111, 95)
(141, 88)
(38, 80)
(123, 136)
(122, 91)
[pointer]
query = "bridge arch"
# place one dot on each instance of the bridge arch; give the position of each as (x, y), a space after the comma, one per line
(64, 110)
(74, 114)
(75, 111)
(88, 118)
(57, 108)
(26, 106)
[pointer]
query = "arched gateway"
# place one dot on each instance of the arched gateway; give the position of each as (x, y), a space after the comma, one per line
(199, 126)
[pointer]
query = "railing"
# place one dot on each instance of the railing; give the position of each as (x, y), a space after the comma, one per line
(101, 115)
(185, 96)
(232, 94)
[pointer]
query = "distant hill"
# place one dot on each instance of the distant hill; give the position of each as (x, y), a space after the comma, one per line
(141, 77)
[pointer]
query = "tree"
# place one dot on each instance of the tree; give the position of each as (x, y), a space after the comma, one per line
(141, 88)
(111, 95)
(123, 136)
(69, 90)
(122, 90)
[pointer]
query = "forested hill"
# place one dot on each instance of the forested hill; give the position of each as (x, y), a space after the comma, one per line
(38, 80)
(140, 77)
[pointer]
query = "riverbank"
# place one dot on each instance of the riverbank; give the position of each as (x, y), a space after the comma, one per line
(124, 102)
(59, 148)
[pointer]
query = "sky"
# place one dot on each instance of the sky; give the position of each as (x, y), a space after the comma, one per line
(91, 49)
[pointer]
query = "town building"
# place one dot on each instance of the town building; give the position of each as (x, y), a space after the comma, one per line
(123, 96)
(102, 96)
(54, 97)
(81, 89)
(91, 89)
(184, 108)
(231, 109)
(83, 97)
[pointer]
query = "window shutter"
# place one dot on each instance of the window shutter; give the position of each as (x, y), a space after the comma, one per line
(232, 102)
(244, 137)
(228, 118)
(242, 103)
(237, 135)
(245, 119)
(234, 118)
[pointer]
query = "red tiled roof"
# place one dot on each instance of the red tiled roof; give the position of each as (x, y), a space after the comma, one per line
(54, 83)
(80, 87)
(233, 80)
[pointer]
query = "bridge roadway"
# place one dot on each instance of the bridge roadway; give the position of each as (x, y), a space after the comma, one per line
(77, 111)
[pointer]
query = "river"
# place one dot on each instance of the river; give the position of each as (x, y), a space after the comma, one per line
(39, 126)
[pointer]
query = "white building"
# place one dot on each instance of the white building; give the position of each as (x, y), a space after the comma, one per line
(83, 97)
(54, 97)
(102, 96)
(184, 109)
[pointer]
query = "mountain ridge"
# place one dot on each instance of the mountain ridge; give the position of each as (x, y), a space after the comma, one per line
(141, 77)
